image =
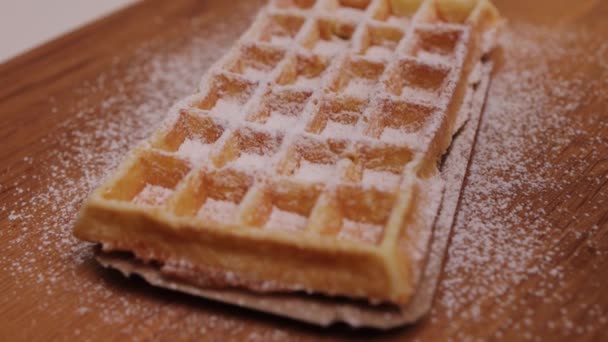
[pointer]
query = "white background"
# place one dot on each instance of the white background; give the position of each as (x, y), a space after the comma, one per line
(25, 24)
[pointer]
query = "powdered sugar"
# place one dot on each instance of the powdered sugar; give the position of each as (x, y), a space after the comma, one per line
(338, 130)
(227, 108)
(152, 195)
(397, 136)
(350, 14)
(419, 95)
(360, 87)
(306, 82)
(249, 161)
(432, 58)
(286, 220)
(218, 210)
(360, 231)
(330, 47)
(194, 150)
(255, 73)
(379, 52)
(281, 40)
(276, 120)
(313, 172)
(506, 223)
(380, 179)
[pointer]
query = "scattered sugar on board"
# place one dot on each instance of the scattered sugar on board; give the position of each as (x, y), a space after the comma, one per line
(495, 246)
(503, 225)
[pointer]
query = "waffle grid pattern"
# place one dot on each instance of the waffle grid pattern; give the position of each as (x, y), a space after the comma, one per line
(311, 138)
(315, 126)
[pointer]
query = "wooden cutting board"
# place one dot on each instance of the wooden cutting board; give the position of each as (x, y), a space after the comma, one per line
(529, 253)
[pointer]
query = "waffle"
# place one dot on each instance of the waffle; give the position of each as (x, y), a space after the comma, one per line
(308, 159)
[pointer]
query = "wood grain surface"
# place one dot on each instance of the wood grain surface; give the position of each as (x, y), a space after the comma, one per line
(51, 288)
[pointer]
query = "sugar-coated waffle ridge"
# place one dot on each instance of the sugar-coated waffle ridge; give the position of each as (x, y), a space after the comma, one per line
(308, 158)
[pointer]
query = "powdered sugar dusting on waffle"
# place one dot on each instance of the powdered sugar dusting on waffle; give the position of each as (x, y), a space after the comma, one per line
(218, 210)
(249, 161)
(379, 52)
(285, 70)
(359, 87)
(286, 221)
(330, 47)
(338, 130)
(280, 121)
(380, 179)
(357, 231)
(227, 108)
(194, 151)
(307, 82)
(152, 195)
(312, 172)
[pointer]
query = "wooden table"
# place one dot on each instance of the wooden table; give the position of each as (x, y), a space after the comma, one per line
(529, 254)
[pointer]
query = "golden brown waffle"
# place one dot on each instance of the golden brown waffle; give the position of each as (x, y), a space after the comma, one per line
(308, 159)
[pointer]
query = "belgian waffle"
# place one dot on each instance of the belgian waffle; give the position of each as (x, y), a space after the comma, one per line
(308, 159)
